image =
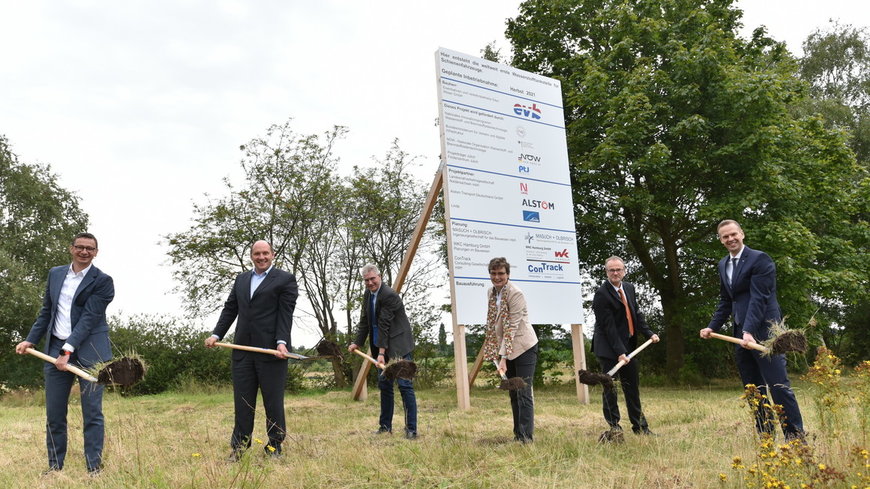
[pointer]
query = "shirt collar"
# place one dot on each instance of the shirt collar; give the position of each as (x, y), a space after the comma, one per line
(739, 253)
(261, 275)
(84, 272)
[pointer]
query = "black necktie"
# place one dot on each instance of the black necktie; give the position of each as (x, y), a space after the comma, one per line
(733, 269)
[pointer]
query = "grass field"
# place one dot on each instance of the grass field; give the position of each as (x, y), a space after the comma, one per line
(180, 440)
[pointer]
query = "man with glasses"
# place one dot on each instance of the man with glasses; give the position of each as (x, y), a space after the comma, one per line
(73, 321)
(617, 321)
(383, 318)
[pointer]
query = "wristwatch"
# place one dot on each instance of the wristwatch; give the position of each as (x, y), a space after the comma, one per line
(65, 352)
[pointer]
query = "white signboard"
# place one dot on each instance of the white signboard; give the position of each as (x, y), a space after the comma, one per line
(506, 187)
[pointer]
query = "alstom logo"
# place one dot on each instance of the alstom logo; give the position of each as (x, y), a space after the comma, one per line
(539, 204)
(532, 112)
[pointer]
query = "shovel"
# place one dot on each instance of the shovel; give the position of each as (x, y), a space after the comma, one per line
(592, 378)
(512, 384)
(786, 342)
(256, 349)
(402, 369)
(122, 371)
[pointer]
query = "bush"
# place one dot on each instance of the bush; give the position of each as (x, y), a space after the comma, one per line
(175, 354)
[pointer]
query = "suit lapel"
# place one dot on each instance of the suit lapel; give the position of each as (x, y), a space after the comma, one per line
(86, 282)
(245, 286)
(263, 285)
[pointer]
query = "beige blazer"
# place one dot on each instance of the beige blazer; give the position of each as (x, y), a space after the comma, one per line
(524, 336)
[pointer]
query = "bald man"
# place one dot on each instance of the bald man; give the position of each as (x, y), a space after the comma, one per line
(262, 301)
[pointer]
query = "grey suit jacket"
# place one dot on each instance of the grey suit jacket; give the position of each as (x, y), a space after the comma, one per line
(394, 329)
(90, 330)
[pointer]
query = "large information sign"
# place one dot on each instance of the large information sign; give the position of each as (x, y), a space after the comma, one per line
(506, 187)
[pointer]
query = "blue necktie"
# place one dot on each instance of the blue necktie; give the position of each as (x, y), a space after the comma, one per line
(373, 320)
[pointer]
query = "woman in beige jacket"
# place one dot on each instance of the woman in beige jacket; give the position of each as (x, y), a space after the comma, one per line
(511, 341)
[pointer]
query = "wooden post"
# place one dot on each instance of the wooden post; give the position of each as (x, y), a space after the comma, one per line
(475, 369)
(579, 362)
(463, 399)
(360, 390)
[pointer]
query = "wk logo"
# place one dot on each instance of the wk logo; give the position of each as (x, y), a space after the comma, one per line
(532, 112)
(562, 254)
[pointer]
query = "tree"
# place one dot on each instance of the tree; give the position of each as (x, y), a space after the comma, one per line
(38, 219)
(836, 64)
(323, 227)
(674, 123)
(285, 175)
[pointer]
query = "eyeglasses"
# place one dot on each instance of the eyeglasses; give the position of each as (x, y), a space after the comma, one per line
(615, 270)
(89, 249)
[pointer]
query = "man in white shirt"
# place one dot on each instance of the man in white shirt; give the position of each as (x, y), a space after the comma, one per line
(73, 321)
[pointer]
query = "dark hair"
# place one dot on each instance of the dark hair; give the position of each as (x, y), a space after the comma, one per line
(500, 262)
(85, 236)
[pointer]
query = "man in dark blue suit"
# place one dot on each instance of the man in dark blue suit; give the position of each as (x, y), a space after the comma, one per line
(263, 300)
(747, 295)
(617, 320)
(384, 320)
(73, 321)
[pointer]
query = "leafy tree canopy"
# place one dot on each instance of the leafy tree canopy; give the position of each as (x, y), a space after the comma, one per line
(673, 123)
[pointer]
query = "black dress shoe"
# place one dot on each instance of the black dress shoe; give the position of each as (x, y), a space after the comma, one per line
(235, 455)
(644, 431)
(95, 471)
(50, 471)
(383, 430)
(410, 435)
(272, 452)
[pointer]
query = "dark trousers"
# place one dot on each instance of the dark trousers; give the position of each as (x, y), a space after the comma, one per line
(57, 390)
(409, 401)
(523, 400)
(769, 374)
(629, 378)
(253, 371)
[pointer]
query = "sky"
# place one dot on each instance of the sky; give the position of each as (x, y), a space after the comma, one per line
(140, 106)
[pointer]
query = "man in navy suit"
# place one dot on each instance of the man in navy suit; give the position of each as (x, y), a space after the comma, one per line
(73, 321)
(383, 318)
(263, 300)
(617, 320)
(747, 295)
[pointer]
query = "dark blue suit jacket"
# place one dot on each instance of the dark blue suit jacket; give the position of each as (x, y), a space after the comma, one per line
(751, 297)
(610, 339)
(264, 318)
(90, 331)
(394, 329)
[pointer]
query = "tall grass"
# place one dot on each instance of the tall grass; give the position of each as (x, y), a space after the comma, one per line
(180, 440)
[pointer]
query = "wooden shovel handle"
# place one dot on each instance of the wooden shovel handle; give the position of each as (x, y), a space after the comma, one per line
(503, 375)
(370, 359)
(257, 349)
(737, 341)
(72, 368)
(630, 356)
